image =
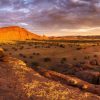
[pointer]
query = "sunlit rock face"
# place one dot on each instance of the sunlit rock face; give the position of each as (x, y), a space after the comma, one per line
(1, 53)
(17, 33)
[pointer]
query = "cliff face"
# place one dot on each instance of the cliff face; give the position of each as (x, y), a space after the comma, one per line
(17, 33)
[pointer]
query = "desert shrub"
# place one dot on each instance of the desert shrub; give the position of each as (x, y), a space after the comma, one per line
(14, 48)
(36, 47)
(78, 48)
(87, 57)
(93, 45)
(74, 59)
(21, 47)
(97, 44)
(33, 53)
(37, 53)
(47, 46)
(82, 62)
(22, 55)
(95, 56)
(30, 45)
(5, 49)
(25, 61)
(62, 45)
(78, 65)
(63, 60)
(27, 39)
(28, 48)
(30, 57)
(10, 53)
(35, 63)
(47, 59)
(52, 68)
(94, 62)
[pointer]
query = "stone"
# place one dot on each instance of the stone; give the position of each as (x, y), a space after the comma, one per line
(1, 53)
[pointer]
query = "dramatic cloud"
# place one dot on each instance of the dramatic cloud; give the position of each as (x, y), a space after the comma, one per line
(52, 17)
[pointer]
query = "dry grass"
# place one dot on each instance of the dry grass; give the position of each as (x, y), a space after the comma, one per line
(35, 85)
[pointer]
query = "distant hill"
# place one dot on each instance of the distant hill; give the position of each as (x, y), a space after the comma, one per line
(17, 33)
(75, 37)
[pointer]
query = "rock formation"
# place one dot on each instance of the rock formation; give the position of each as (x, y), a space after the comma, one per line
(1, 53)
(17, 33)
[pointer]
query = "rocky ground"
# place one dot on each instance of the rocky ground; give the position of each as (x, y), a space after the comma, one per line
(19, 82)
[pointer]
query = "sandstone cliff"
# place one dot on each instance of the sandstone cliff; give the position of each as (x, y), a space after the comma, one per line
(17, 33)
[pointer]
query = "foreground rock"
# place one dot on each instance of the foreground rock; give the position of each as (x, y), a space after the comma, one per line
(19, 82)
(89, 76)
(71, 80)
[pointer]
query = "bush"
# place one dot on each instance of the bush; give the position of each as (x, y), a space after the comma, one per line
(22, 47)
(5, 49)
(94, 62)
(95, 56)
(14, 48)
(22, 55)
(87, 57)
(10, 53)
(74, 59)
(30, 57)
(62, 46)
(78, 48)
(35, 64)
(47, 59)
(63, 60)
(37, 53)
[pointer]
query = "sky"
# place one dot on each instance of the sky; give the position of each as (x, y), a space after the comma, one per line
(52, 17)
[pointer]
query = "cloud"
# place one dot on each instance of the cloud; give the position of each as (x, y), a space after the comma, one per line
(53, 15)
(80, 30)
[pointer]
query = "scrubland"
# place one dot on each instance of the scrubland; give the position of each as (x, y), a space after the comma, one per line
(76, 60)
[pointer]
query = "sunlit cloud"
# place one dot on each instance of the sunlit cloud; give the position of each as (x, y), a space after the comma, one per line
(23, 24)
(80, 30)
(52, 16)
